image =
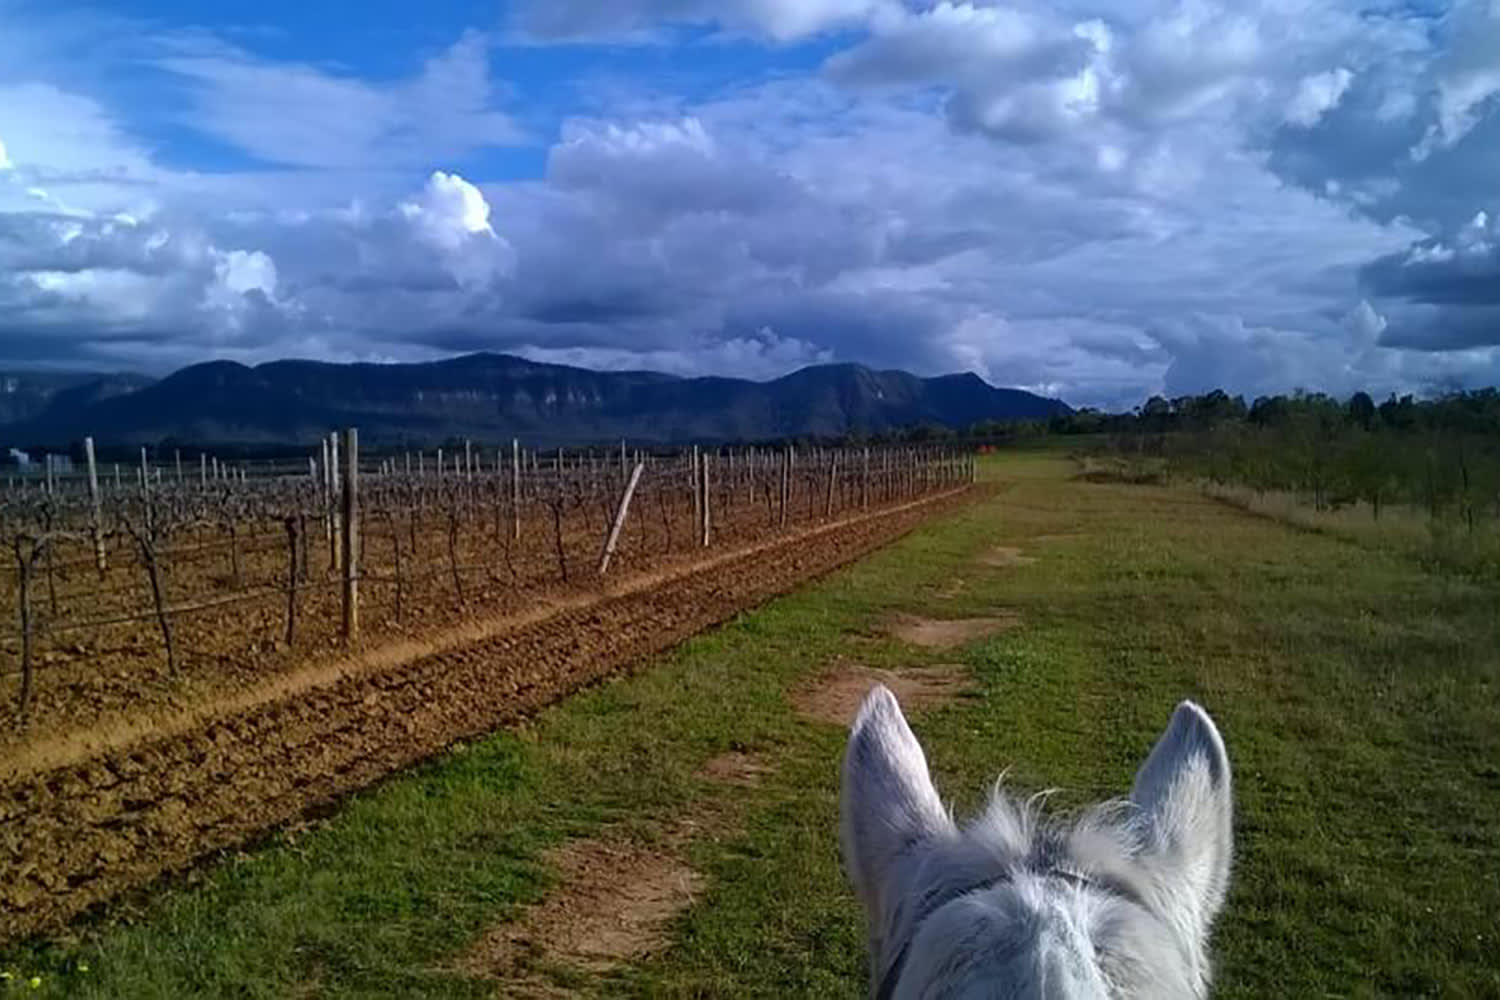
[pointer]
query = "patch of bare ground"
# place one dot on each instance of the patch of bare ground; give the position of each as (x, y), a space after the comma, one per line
(952, 588)
(1006, 555)
(1061, 536)
(940, 633)
(613, 904)
(835, 696)
(614, 901)
(736, 767)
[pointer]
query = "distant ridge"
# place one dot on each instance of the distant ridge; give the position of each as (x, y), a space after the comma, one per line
(500, 395)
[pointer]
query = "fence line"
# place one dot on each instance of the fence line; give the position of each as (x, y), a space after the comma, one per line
(520, 510)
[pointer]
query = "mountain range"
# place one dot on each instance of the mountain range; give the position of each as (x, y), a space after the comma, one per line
(487, 396)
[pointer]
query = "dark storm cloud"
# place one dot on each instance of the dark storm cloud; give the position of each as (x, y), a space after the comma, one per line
(1431, 273)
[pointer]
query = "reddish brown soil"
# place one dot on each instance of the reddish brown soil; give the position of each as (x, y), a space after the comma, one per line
(614, 903)
(736, 768)
(79, 828)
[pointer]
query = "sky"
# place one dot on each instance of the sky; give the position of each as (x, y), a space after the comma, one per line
(1094, 199)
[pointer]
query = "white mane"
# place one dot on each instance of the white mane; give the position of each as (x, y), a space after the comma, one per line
(1117, 904)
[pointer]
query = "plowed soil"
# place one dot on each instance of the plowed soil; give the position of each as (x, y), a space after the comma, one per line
(93, 820)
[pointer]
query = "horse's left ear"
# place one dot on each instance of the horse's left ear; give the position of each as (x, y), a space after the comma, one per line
(889, 804)
(1183, 791)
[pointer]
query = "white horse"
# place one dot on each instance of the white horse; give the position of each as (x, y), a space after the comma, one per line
(1117, 904)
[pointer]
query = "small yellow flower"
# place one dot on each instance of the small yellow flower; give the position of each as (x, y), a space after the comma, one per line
(35, 982)
(83, 966)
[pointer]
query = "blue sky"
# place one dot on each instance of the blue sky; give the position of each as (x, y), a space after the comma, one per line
(1100, 200)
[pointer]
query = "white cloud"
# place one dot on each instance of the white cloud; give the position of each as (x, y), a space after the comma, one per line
(449, 211)
(453, 217)
(1317, 95)
(302, 115)
(240, 272)
(1364, 324)
(1467, 74)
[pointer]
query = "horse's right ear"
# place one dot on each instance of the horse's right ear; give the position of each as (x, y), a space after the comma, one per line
(1183, 792)
(889, 804)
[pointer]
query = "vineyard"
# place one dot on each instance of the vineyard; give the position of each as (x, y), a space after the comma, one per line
(129, 588)
(198, 659)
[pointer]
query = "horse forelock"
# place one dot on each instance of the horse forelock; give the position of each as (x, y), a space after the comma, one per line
(1057, 907)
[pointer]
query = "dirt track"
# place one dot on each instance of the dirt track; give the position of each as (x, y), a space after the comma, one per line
(78, 834)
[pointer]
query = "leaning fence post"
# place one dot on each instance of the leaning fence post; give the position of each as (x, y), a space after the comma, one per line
(95, 526)
(619, 522)
(833, 477)
(350, 528)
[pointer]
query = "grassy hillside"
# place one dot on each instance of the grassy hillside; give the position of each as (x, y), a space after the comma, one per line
(1357, 691)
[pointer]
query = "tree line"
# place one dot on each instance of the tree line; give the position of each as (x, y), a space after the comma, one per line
(1439, 455)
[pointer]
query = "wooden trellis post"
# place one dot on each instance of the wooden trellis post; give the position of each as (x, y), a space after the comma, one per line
(786, 481)
(697, 481)
(350, 534)
(515, 489)
(290, 524)
(703, 471)
(864, 482)
(330, 500)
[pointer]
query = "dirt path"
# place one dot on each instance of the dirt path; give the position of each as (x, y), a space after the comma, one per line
(106, 818)
(615, 898)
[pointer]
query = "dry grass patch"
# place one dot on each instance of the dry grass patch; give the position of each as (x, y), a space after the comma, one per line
(952, 588)
(835, 696)
(1006, 555)
(938, 633)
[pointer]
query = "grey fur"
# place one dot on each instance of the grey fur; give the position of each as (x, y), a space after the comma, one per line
(1115, 904)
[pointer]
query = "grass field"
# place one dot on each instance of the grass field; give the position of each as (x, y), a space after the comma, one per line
(1356, 689)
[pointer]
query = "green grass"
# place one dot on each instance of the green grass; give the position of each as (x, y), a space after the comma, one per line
(1357, 691)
